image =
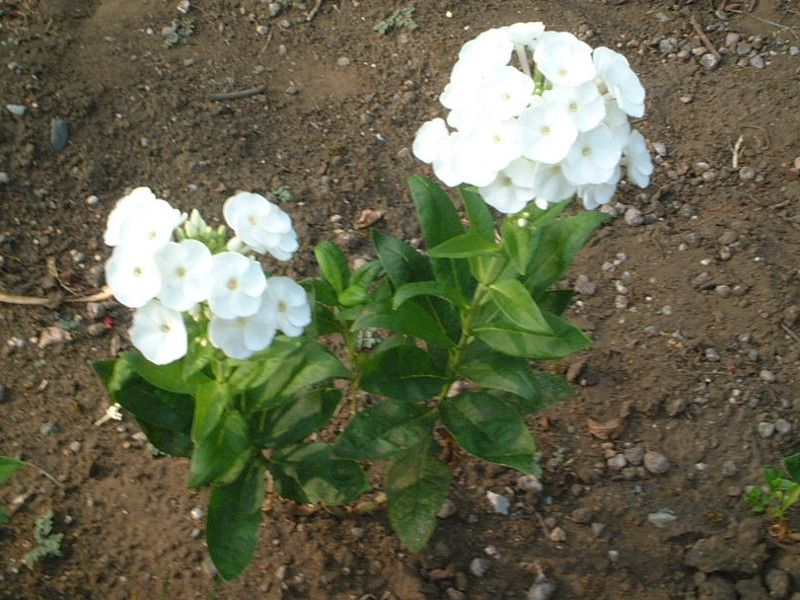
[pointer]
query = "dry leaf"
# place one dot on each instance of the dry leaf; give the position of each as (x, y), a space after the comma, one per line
(604, 430)
(368, 217)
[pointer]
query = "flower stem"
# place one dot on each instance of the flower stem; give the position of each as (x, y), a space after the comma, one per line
(522, 55)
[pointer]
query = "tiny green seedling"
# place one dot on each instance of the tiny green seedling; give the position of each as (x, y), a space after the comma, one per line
(47, 542)
(283, 193)
(8, 466)
(183, 30)
(781, 494)
(400, 18)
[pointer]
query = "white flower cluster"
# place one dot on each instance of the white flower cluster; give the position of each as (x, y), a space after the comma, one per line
(555, 127)
(162, 278)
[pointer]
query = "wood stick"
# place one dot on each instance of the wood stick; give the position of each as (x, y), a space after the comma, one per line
(703, 37)
(254, 91)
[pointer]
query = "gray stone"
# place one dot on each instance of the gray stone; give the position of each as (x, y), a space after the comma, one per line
(49, 428)
(17, 110)
(343, 61)
(582, 515)
(666, 46)
(732, 38)
(729, 468)
(794, 51)
(728, 237)
(634, 454)
(778, 583)
(767, 376)
(617, 462)
(709, 62)
(676, 406)
(766, 429)
(479, 567)
(529, 483)
(662, 518)
(783, 426)
(4, 178)
(541, 590)
(656, 463)
(757, 62)
(584, 286)
(712, 355)
(634, 217)
(59, 134)
(722, 290)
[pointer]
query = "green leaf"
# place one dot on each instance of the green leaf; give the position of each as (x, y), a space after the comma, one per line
(400, 261)
(318, 366)
(427, 288)
(507, 338)
(298, 417)
(514, 301)
(555, 246)
(232, 525)
(198, 356)
(517, 242)
(254, 372)
(366, 274)
(333, 265)
(480, 217)
(3, 517)
(791, 463)
(491, 429)
(310, 473)
(555, 301)
(404, 373)
(211, 401)
(354, 295)
(381, 431)
(465, 245)
(534, 389)
(411, 318)
(221, 456)
(171, 443)
(167, 377)
(322, 290)
(417, 485)
(540, 218)
(439, 222)
(9, 466)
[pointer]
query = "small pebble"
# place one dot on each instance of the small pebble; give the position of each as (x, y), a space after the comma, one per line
(293, 90)
(343, 61)
(557, 534)
(656, 463)
(723, 290)
(197, 513)
(783, 426)
(766, 429)
(59, 134)
(4, 178)
(635, 455)
(262, 30)
(767, 376)
(541, 590)
(500, 503)
(582, 515)
(757, 62)
(479, 567)
(529, 483)
(634, 217)
(794, 51)
(584, 286)
(617, 462)
(712, 355)
(709, 62)
(75, 446)
(729, 468)
(747, 173)
(17, 109)
(448, 509)
(662, 518)
(49, 428)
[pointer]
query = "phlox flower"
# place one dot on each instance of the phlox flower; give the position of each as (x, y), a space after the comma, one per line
(260, 224)
(620, 80)
(159, 333)
(489, 148)
(429, 139)
(583, 104)
(564, 59)
(142, 220)
(506, 94)
(548, 132)
(237, 283)
(593, 157)
(289, 302)
(184, 268)
(244, 336)
(550, 185)
(636, 159)
(133, 276)
(491, 48)
(505, 196)
(597, 194)
(524, 34)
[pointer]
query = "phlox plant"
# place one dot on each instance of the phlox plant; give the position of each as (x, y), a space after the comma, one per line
(228, 368)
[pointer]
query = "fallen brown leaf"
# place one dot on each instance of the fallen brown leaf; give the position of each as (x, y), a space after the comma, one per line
(368, 217)
(604, 430)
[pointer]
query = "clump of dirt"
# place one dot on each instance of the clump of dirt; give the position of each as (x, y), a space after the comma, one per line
(691, 294)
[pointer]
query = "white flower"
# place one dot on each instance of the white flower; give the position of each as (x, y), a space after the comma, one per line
(237, 283)
(583, 104)
(506, 197)
(184, 268)
(593, 157)
(564, 59)
(449, 163)
(637, 160)
(548, 132)
(489, 148)
(491, 48)
(290, 303)
(506, 94)
(620, 80)
(550, 185)
(260, 224)
(596, 194)
(429, 139)
(524, 34)
(616, 120)
(133, 276)
(159, 333)
(142, 220)
(243, 336)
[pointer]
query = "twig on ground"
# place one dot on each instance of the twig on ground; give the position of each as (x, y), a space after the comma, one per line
(790, 333)
(254, 91)
(45, 473)
(703, 37)
(53, 301)
(25, 300)
(737, 147)
(313, 12)
(765, 21)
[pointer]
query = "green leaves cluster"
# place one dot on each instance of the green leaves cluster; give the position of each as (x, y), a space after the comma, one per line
(477, 307)
(227, 416)
(8, 466)
(47, 542)
(783, 489)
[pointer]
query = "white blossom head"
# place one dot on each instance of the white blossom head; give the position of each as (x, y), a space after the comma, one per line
(159, 333)
(289, 301)
(133, 276)
(564, 59)
(260, 224)
(244, 336)
(142, 220)
(237, 283)
(620, 80)
(184, 267)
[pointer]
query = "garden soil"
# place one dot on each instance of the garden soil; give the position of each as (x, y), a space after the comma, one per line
(690, 294)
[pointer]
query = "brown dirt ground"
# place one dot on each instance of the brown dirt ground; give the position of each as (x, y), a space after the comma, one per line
(140, 114)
